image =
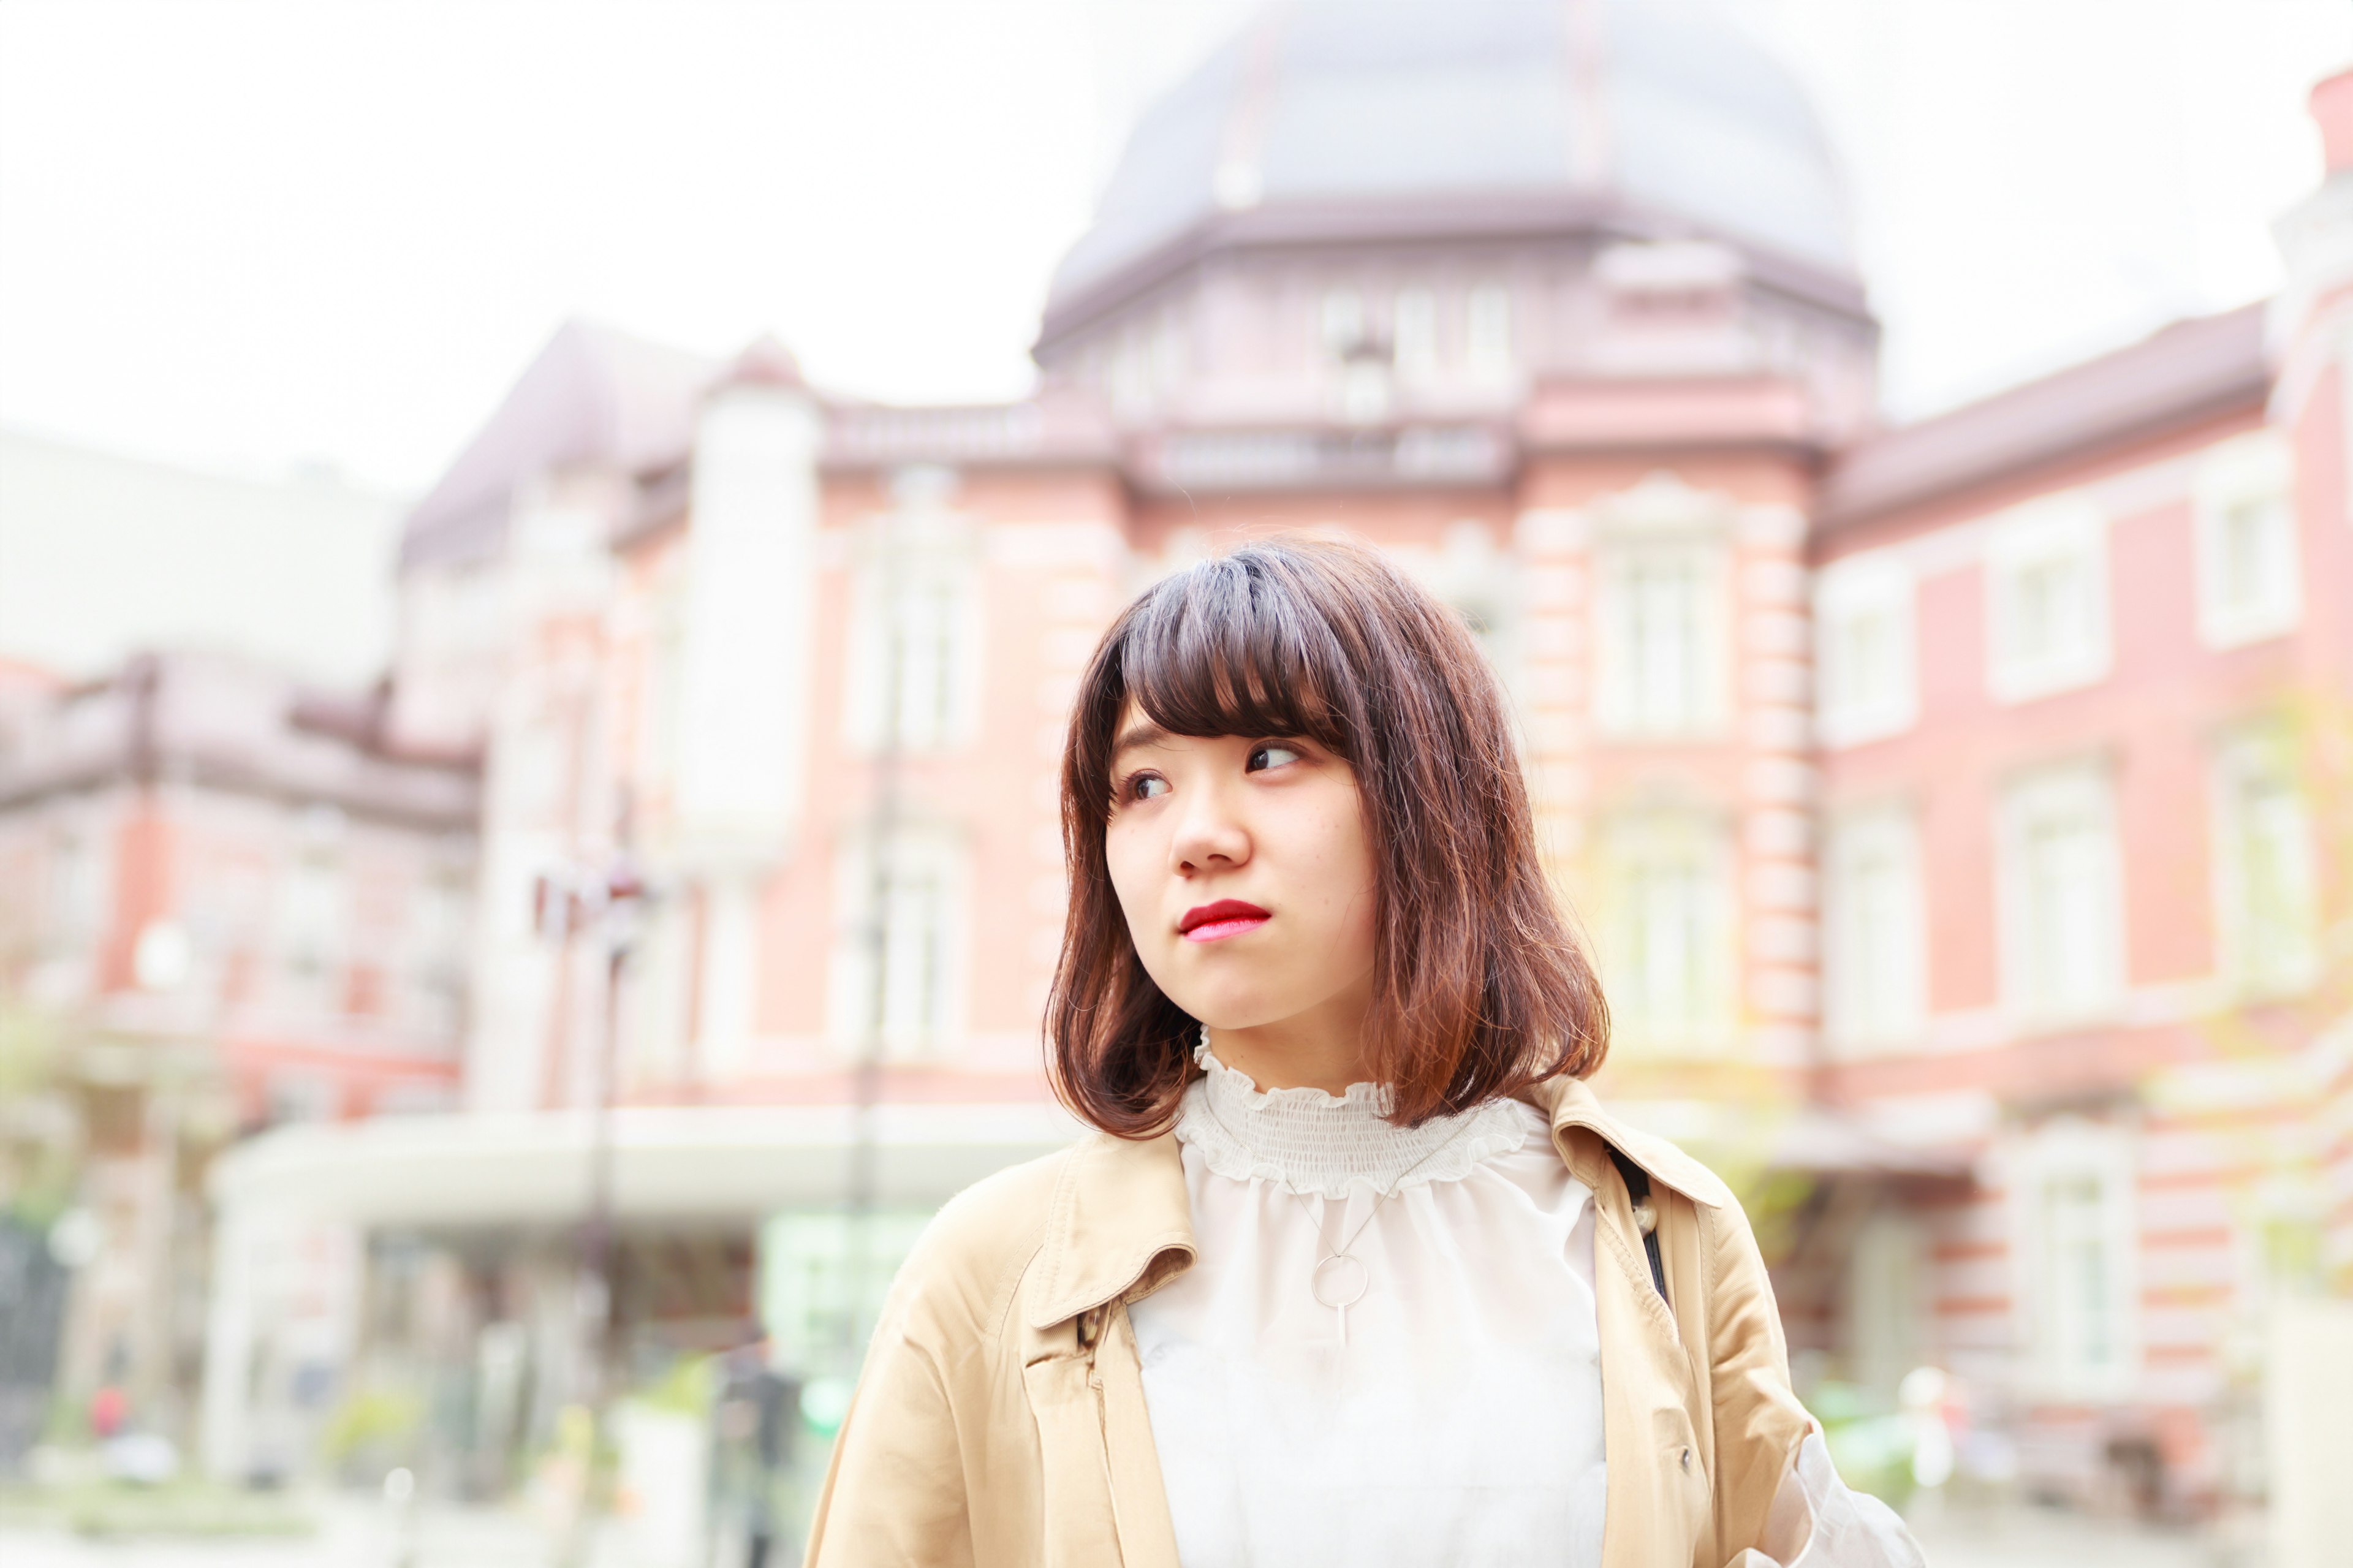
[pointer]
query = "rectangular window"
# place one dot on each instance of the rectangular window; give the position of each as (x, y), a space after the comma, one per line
(919, 664)
(822, 1278)
(2062, 895)
(1874, 957)
(1669, 925)
(314, 902)
(1414, 335)
(77, 893)
(1342, 323)
(437, 941)
(898, 961)
(1662, 652)
(1865, 650)
(1888, 1330)
(2266, 906)
(1131, 371)
(2077, 1218)
(914, 681)
(1168, 355)
(663, 676)
(1487, 333)
(2047, 599)
(2248, 566)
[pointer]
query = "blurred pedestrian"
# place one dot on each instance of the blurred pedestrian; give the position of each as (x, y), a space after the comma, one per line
(753, 1449)
(108, 1409)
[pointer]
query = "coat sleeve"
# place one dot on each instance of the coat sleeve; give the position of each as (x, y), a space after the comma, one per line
(1778, 1500)
(894, 1491)
(1758, 1419)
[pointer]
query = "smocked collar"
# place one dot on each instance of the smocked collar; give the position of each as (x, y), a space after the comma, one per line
(1122, 1224)
(1309, 1140)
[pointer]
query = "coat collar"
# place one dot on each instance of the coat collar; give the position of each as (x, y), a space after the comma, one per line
(1571, 1105)
(1120, 1217)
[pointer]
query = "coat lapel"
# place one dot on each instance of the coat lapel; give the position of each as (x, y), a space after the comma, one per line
(1652, 1354)
(1120, 1226)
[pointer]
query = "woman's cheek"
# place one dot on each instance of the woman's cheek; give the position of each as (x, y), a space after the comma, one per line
(1133, 865)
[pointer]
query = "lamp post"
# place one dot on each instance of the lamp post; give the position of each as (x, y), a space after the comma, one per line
(606, 900)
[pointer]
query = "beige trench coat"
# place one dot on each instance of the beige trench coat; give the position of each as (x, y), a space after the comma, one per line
(1000, 1421)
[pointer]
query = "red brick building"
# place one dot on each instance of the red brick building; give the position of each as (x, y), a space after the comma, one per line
(1957, 810)
(230, 904)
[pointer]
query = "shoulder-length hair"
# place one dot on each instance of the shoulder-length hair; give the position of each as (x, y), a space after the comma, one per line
(1479, 990)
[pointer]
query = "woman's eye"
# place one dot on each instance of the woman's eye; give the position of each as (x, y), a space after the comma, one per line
(1146, 786)
(1266, 757)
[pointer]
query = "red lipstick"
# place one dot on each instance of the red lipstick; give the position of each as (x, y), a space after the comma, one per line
(1227, 917)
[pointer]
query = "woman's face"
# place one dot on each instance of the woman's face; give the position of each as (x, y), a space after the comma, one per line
(1243, 868)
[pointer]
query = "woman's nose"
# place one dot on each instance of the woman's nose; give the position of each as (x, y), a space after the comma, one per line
(1209, 835)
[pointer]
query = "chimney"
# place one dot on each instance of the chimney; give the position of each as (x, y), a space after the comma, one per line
(2332, 106)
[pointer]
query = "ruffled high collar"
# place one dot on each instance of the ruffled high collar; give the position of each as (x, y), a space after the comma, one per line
(1309, 1141)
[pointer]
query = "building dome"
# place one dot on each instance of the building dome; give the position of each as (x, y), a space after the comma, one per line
(1664, 111)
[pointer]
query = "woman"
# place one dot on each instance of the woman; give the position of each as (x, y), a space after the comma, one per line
(1354, 1270)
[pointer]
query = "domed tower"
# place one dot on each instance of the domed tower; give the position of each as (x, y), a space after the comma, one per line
(1554, 299)
(1375, 213)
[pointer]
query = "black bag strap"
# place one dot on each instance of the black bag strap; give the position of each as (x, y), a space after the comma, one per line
(1646, 1217)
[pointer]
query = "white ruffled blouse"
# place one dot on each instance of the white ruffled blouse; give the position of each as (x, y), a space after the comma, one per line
(1459, 1419)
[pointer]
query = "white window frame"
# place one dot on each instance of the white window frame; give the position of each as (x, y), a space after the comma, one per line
(436, 932)
(1858, 942)
(1620, 710)
(1488, 351)
(1697, 844)
(2073, 1153)
(929, 557)
(1339, 322)
(2253, 957)
(1852, 708)
(2057, 531)
(927, 856)
(79, 874)
(2085, 791)
(2254, 470)
(1413, 335)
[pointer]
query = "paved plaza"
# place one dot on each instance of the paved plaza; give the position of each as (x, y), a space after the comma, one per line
(360, 1535)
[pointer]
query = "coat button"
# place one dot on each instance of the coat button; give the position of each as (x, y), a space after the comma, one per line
(1687, 1461)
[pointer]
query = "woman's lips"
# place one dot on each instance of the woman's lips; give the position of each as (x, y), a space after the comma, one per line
(1227, 917)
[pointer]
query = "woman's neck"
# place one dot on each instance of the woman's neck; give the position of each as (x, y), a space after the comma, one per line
(1322, 1048)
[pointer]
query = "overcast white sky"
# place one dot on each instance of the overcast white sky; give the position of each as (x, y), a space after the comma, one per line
(251, 234)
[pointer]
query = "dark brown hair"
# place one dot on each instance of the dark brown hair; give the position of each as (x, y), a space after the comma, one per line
(1480, 989)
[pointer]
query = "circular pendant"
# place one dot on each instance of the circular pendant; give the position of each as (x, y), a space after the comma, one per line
(1339, 1282)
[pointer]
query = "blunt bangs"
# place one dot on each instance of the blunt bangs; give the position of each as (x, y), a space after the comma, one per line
(1480, 989)
(1221, 649)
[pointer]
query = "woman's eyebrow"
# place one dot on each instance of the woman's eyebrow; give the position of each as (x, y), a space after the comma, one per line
(1146, 733)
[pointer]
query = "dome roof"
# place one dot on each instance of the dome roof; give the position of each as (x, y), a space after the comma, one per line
(1663, 107)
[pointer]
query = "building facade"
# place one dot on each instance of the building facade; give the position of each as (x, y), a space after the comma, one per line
(1956, 811)
(230, 905)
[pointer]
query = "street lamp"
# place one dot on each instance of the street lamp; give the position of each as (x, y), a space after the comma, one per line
(605, 901)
